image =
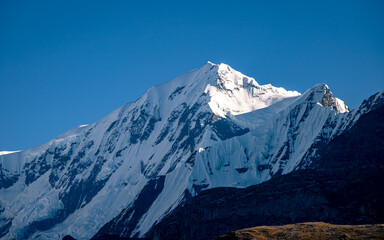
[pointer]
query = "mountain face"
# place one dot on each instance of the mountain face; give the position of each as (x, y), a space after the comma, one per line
(344, 185)
(208, 128)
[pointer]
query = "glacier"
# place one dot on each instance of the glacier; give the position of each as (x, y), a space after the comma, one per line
(210, 127)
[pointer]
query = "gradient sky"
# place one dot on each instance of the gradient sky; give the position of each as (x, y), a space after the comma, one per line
(67, 63)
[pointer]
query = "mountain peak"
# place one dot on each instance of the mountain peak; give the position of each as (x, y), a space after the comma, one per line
(321, 94)
(224, 89)
(232, 92)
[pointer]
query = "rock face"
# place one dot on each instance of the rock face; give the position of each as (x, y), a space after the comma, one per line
(344, 186)
(317, 230)
(208, 128)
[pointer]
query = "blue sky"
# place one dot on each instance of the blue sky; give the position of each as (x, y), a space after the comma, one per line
(67, 63)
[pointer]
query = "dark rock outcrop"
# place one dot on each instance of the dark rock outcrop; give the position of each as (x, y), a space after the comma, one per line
(126, 221)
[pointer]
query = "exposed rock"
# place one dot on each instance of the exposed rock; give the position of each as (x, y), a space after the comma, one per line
(68, 237)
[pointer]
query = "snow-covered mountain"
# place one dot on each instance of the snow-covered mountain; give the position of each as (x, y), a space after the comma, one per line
(208, 128)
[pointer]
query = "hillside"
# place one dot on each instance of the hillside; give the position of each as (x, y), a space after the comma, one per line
(309, 231)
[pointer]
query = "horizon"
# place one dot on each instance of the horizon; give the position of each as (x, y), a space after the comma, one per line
(59, 72)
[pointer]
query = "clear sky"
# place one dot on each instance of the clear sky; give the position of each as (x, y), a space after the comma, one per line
(67, 63)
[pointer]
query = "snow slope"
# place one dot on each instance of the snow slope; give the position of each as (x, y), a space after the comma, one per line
(7, 152)
(207, 128)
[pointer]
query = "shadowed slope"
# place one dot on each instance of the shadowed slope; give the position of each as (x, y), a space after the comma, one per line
(346, 188)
